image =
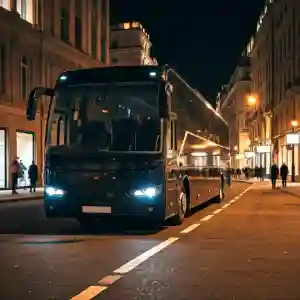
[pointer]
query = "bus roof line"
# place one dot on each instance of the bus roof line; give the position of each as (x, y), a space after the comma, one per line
(197, 94)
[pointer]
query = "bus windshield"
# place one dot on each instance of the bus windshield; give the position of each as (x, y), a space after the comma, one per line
(114, 117)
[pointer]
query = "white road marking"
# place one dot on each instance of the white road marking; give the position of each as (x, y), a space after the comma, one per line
(206, 218)
(110, 279)
(217, 211)
(93, 291)
(190, 228)
(90, 293)
(226, 205)
(144, 256)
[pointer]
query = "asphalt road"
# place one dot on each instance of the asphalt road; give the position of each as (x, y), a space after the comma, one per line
(247, 248)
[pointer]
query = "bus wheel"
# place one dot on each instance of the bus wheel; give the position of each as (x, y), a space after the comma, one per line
(182, 208)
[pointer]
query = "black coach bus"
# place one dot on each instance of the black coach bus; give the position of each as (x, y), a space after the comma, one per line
(128, 141)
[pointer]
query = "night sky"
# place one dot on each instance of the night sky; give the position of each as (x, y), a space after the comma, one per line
(202, 40)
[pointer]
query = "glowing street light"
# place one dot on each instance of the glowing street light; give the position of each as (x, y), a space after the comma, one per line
(251, 100)
(294, 123)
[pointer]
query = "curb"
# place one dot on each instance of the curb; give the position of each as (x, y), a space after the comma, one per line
(7, 200)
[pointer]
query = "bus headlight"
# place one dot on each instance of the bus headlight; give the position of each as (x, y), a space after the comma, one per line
(148, 192)
(54, 192)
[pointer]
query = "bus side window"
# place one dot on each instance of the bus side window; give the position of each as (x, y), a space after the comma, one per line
(174, 135)
(61, 131)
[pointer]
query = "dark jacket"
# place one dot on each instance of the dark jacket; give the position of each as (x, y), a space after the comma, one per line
(284, 171)
(33, 172)
(274, 172)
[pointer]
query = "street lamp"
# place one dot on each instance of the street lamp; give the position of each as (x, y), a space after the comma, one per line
(294, 124)
(251, 100)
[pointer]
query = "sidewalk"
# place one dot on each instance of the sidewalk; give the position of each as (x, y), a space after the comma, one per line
(24, 195)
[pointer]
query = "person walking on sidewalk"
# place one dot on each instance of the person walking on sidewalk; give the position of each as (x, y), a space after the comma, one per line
(284, 171)
(15, 172)
(33, 176)
(228, 173)
(274, 175)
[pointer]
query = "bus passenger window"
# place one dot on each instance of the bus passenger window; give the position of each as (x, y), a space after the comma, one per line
(61, 131)
(175, 134)
(172, 136)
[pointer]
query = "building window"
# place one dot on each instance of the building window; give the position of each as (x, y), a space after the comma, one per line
(64, 24)
(78, 24)
(5, 4)
(2, 69)
(94, 39)
(78, 33)
(103, 50)
(25, 9)
(94, 31)
(52, 17)
(103, 31)
(24, 78)
(25, 151)
(3, 158)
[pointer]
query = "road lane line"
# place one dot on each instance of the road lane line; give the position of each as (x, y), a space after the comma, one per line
(217, 211)
(144, 256)
(206, 218)
(110, 279)
(226, 205)
(90, 293)
(190, 228)
(93, 291)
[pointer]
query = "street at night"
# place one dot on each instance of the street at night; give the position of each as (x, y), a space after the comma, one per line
(246, 248)
(149, 151)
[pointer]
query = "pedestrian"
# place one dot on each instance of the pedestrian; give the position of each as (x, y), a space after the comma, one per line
(262, 173)
(284, 171)
(228, 176)
(33, 176)
(15, 172)
(274, 175)
(256, 172)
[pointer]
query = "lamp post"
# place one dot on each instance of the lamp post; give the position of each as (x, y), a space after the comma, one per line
(294, 124)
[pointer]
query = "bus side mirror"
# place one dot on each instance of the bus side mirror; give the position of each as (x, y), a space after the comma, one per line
(32, 101)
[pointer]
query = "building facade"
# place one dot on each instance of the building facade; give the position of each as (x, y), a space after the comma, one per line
(275, 73)
(130, 45)
(39, 39)
(232, 104)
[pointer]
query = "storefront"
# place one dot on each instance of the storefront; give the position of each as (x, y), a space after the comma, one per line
(3, 160)
(25, 152)
(286, 144)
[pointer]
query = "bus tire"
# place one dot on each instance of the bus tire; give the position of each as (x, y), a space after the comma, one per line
(182, 208)
(220, 197)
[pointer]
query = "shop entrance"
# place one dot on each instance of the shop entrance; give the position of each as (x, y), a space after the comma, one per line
(2, 158)
(25, 152)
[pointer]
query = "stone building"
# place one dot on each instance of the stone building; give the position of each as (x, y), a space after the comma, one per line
(39, 39)
(232, 104)
(130, 45)
(275, 74)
